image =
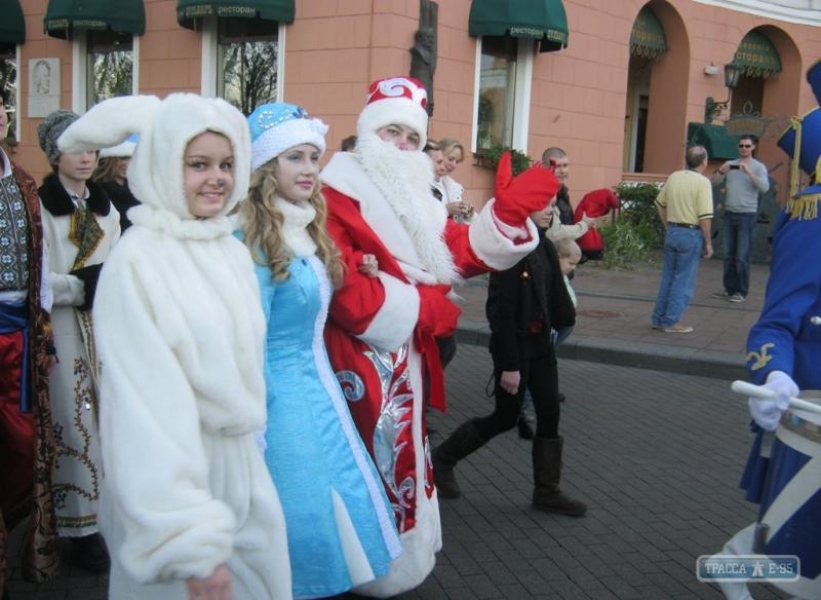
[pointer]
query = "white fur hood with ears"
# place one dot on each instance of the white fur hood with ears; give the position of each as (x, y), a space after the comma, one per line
(181, 339)
(155, 174)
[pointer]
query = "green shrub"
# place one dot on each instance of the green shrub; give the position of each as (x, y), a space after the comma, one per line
(625, 243)
(637, 231)
(638, 203)
(519, 160)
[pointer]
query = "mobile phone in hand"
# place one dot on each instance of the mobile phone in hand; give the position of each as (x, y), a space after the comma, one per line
(735, 166)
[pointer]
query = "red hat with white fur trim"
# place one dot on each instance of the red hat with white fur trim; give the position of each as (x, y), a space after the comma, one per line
(396, 101)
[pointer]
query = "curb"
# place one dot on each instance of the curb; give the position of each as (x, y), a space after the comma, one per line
(673, 359)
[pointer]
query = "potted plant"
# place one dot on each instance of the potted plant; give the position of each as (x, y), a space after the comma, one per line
(489, 158)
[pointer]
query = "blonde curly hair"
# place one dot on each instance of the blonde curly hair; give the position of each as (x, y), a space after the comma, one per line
(262, 224)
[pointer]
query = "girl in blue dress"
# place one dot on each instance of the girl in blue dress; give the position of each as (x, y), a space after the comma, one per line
(339, 523)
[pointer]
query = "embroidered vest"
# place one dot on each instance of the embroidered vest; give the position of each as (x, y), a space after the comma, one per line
(14, 232)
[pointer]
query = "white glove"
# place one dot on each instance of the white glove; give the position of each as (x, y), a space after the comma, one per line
(767, 412)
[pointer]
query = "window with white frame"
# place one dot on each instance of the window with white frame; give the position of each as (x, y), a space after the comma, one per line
(502, 94)
(8, 87)
(247, 62)
(496, 76)
(109, 65)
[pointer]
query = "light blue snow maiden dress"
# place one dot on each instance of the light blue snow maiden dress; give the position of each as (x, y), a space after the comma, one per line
(339, 523)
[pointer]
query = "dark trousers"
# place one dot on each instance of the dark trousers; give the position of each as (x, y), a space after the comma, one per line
(447, 349)
(738, 238)
(539, 376)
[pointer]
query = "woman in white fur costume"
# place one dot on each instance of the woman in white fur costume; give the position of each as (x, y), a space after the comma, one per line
(381, 334)
(188, 507)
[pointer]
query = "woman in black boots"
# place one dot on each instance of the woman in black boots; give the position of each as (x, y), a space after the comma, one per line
(523, 304)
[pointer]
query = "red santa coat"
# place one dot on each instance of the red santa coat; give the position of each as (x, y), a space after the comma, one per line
(370, 340)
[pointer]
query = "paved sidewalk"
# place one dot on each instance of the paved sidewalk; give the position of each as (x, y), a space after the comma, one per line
(656, 454)
(613, 320)
(657, 457)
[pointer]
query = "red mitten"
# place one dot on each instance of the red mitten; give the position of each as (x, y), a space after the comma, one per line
(596, 204)
(438, 316)
(518, 197)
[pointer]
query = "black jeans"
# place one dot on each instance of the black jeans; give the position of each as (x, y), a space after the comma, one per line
(540, 376)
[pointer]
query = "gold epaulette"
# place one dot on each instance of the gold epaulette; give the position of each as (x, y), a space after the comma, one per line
(804, 207)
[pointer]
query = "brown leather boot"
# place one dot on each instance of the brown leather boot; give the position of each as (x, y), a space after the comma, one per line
(465, 440)
(547, 472)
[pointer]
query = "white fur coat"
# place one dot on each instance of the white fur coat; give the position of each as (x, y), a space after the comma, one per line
(180, 334)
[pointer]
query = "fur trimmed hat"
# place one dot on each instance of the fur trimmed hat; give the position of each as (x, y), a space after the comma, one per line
(51, 129)
(277, 126)
(124, 150)
(396, 101)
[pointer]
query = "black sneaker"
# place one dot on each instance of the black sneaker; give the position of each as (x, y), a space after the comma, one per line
(737, 298)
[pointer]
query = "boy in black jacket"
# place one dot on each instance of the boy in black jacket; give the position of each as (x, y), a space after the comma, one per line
(524, 303)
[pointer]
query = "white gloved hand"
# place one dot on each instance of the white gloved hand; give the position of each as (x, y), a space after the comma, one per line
(767, 412)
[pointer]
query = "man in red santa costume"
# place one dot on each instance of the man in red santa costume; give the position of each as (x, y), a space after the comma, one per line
(381, 331)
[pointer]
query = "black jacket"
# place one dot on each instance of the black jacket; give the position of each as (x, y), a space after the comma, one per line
(523, 304)
(564, 206)
(122, 199)
(56, 200)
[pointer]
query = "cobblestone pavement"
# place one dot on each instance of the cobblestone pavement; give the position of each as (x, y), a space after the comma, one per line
(656, 455)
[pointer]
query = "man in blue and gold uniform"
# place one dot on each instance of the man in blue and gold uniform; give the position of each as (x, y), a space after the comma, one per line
(783, 356)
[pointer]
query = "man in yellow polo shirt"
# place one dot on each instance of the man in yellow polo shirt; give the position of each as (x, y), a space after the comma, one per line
(685, 205)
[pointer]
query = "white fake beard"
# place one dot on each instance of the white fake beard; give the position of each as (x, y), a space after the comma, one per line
(404, 179)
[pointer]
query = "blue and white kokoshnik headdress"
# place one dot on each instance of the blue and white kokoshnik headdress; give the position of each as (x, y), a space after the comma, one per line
(277, 126)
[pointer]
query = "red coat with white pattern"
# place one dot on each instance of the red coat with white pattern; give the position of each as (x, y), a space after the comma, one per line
(379, 354)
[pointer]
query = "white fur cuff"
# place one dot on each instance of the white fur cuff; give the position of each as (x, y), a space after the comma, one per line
(491, 244)
(394, 322)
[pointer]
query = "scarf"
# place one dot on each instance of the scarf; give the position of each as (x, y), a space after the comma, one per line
(294, 232)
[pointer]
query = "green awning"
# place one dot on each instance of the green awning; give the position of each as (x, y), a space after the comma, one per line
(720, 145)
(13, 25)
(647, 38)
(64, 16)
(757, 56)
(188, 11)
(543, 20)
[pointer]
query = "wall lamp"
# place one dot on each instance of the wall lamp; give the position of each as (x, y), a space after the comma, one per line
(712, 109)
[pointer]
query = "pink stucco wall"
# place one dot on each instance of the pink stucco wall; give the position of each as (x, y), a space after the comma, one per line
(335, 48)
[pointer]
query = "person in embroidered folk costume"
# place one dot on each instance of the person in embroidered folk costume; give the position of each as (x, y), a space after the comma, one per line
(80, 228)
(381, 334)
(26, 357)
(187, 503)
(783, 353)
(341, 531)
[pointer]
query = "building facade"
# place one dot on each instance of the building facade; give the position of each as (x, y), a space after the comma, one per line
(622, 86)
